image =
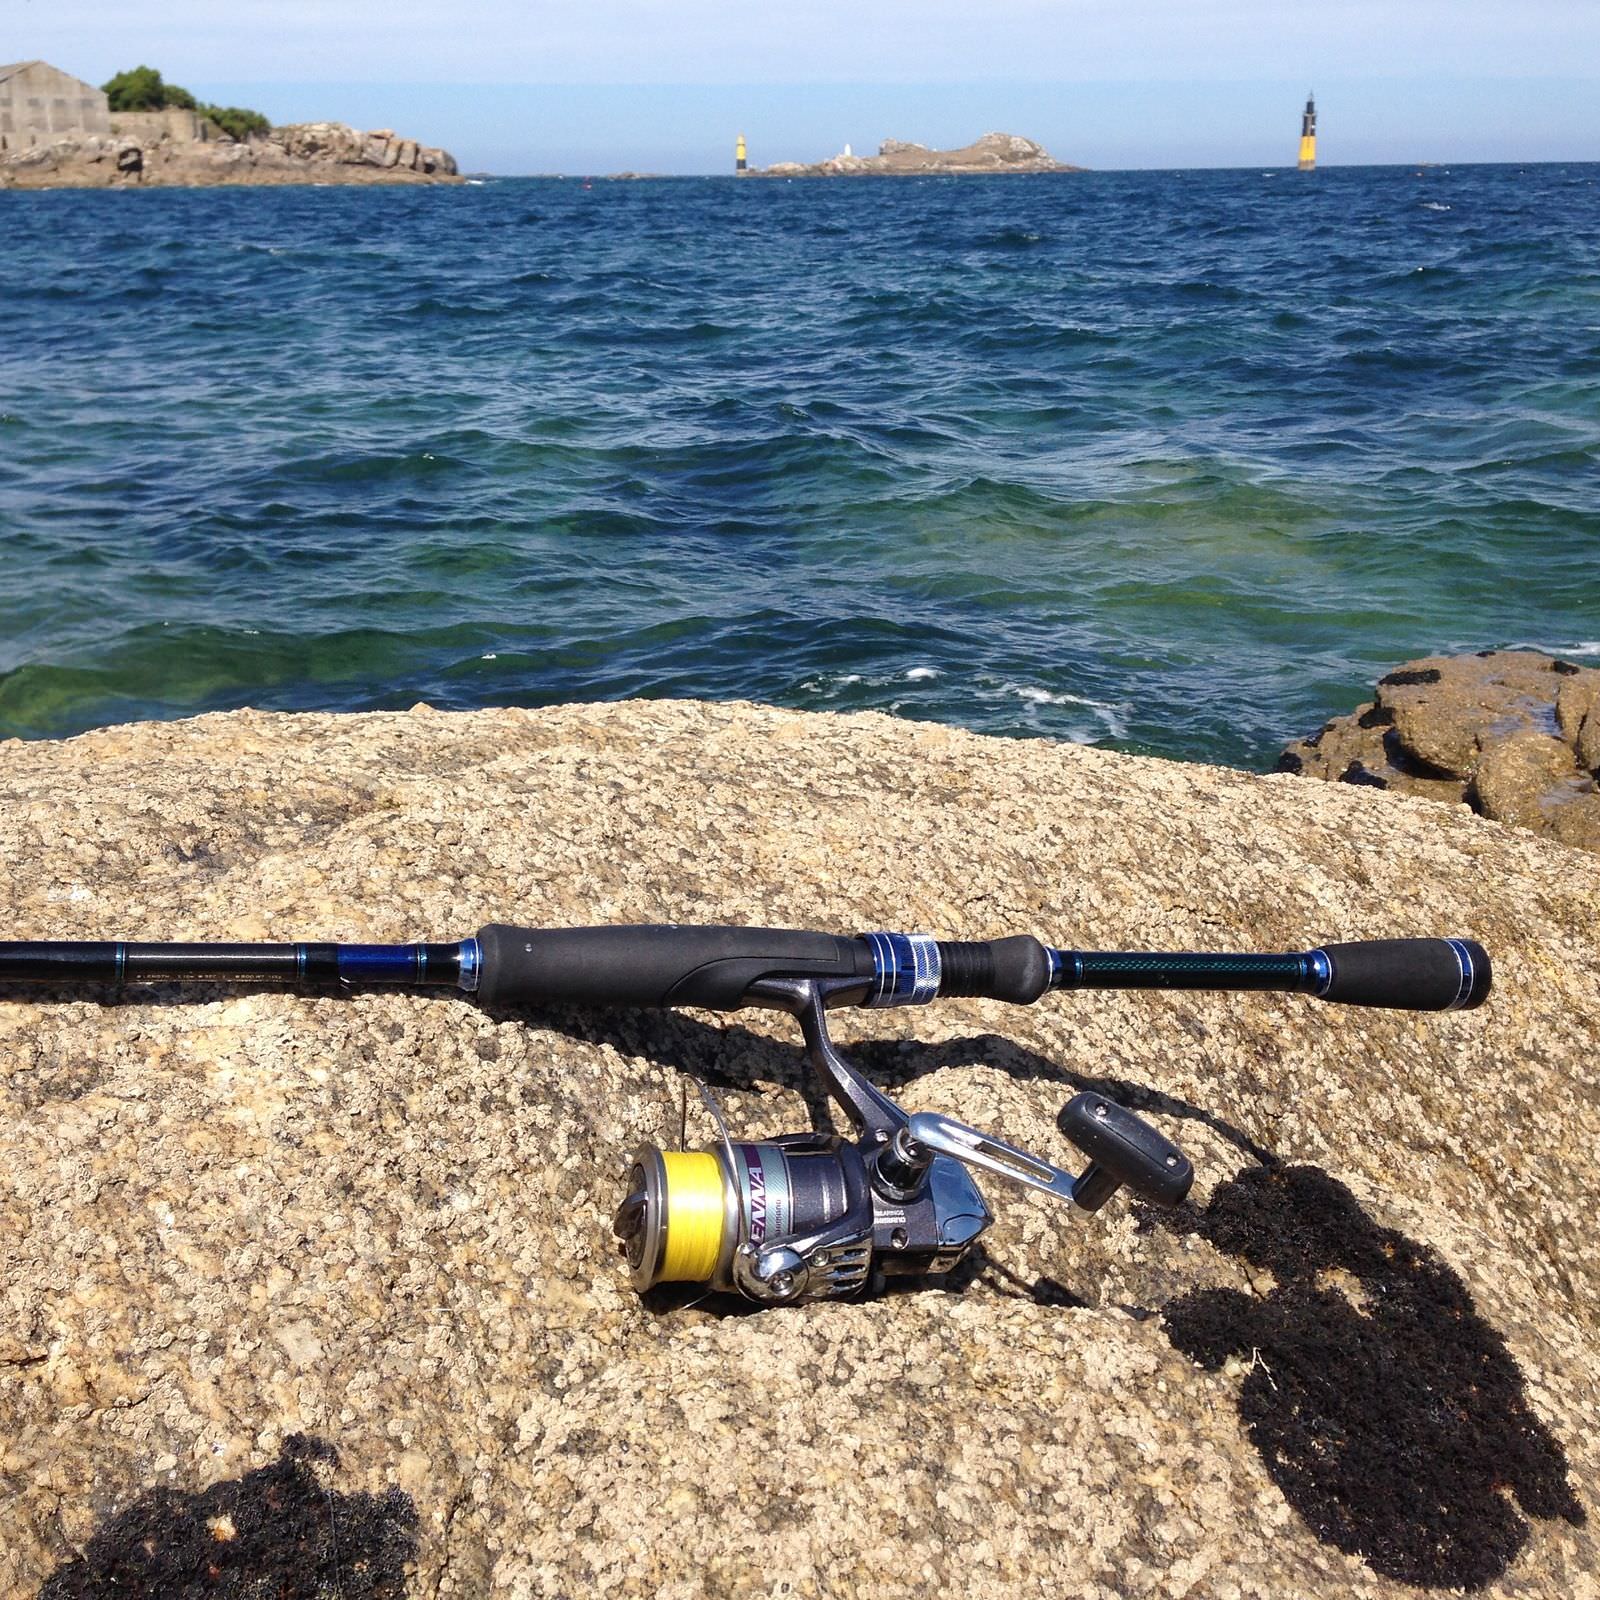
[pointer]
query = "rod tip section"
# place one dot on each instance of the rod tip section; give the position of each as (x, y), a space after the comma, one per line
(1409, 974)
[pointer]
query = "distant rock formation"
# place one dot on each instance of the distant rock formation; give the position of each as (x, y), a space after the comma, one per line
(306, 152)
(1515, 734)
(994, 152)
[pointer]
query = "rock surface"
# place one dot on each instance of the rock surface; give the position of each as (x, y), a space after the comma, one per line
(994, 152)
(1514, 734)
(308, 152)
(324, 1286)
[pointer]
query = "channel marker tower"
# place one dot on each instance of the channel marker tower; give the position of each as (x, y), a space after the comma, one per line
(1308, 136)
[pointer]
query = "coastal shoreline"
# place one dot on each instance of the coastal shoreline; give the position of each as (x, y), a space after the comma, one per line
(306, 180)
(326, 153)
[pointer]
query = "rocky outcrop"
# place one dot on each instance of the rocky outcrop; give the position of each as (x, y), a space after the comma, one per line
(318, 1295)
(310, 152)
(1514, 734)
(994, 152)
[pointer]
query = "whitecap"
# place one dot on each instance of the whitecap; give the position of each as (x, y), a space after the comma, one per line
(917, 674)
(1110, 715)
(1588, 647)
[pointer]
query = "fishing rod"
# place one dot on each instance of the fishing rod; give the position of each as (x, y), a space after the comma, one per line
(813, 1215)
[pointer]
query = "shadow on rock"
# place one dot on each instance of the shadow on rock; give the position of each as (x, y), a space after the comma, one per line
(278, 1531)
(1389, 1413)
(733, 1057)
(1002, 1280)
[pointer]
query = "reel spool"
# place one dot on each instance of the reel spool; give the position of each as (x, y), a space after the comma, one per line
(729, 1218)
(677, 1217)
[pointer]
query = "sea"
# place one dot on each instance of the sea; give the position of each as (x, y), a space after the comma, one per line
(1173, 462)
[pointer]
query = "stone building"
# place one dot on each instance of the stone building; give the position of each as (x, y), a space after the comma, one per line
(39, 103)
(173, 123)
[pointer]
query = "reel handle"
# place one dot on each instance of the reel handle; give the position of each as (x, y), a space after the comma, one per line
(926, 1133)
(1122, 1149)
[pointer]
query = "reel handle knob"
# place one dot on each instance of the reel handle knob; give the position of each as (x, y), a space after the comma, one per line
(1122, 1149)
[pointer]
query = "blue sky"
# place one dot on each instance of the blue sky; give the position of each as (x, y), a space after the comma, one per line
(597, 85)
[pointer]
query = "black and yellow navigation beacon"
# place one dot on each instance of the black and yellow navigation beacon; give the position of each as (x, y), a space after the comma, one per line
(738, 154)
(1308, 136)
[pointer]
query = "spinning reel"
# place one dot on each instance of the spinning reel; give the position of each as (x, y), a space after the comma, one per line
(812, 1216)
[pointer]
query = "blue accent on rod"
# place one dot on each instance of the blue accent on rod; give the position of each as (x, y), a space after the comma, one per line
(1066, 968)
(380, 963)
(1464, 956)
(471, 965)
(907, 969)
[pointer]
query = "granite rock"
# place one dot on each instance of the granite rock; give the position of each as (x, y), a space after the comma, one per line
(1515, 734)
(311, 152)
(261, 1252)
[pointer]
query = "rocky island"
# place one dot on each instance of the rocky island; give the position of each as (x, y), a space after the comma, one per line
(319, 1294)
(994, 152)
(307, 152)
(57, 132)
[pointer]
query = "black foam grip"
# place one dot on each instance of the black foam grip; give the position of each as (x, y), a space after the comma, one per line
(1409, 974)
(1015, 969)
(654, 964)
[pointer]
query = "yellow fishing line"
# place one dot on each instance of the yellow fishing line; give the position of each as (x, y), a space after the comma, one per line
(695, 1216)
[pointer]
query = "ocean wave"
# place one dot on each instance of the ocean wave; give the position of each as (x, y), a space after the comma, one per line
(1157, 461)
(1013, 238)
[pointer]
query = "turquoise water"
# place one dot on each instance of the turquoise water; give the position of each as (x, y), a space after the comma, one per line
(1174, 462)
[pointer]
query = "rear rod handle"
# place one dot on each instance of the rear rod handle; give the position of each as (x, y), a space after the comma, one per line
(109, 961)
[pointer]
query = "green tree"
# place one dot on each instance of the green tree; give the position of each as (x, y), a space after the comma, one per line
(138, 90)
(237, 121)
(142, 89)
